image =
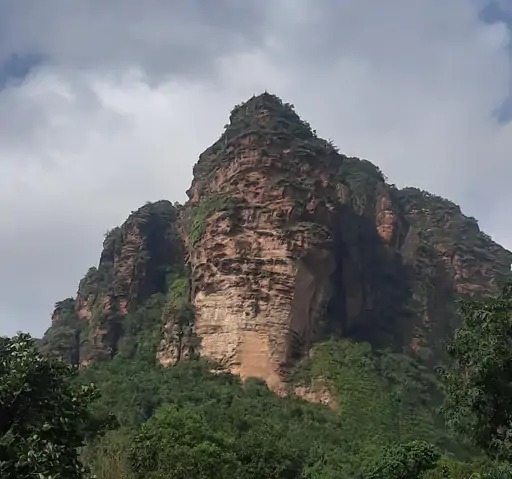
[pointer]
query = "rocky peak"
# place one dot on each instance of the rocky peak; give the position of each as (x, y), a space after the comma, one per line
(286, 242)
(447, 256)
(249, 123)
(471, 257)
(264, 112)
(291, 241)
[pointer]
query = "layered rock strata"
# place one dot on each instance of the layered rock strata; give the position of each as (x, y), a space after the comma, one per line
(290, 241)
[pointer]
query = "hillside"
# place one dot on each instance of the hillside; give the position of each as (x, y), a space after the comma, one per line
(291, 269)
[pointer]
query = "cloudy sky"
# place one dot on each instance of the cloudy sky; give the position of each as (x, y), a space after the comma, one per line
(106, 104)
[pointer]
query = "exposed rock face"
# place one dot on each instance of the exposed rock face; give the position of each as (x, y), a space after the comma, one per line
(287, 242)
(318, 393)
(134, 264)
(448, 257)
(262, 260)
(64, 335)
(290, 241)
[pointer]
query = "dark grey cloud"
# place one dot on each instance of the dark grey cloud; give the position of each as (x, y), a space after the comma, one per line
(495, 11)
(125, 95)
(16, 67)
(503, 113)
(162, 37)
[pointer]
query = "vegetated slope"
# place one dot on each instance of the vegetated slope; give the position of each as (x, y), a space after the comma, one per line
(168, 416)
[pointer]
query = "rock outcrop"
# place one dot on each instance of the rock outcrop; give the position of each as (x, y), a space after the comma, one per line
(283, 242)
(135, 263)
(448, 257)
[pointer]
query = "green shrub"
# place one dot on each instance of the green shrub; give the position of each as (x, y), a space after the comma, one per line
(206, 208)
(403, 461)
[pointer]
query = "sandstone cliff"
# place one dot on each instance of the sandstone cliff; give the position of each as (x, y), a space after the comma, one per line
(135, 263)
(284, 241)
(291, 242)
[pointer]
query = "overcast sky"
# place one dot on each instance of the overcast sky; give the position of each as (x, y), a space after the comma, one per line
(107, 104)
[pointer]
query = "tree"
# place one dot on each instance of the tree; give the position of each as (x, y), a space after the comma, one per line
(448, 468)
(43, 413)
(403, 461)
(479, 384)
(177, 443)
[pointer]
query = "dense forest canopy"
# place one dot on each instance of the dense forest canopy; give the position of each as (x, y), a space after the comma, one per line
(142, 420)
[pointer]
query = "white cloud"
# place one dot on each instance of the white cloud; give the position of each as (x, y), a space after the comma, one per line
(108, 123)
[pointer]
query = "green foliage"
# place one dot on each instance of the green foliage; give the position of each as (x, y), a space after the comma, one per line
(186, 421)
(449, 468)
(107, 457)
(383, 397)
(112, 240)
(479, 385)
(178, 443)
(43, 413)
(179, 317)
(403, 461)
(178, 294)
(97, 280)
(363, 400)
(141, 330)
(497, 470)
(206, 208)
(354, 168)
(265, 433)
(282, 112)
(142, 327)
(443, 220)
(250, 429)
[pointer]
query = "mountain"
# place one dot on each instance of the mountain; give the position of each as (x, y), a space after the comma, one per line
(284, 242)
(133, 270)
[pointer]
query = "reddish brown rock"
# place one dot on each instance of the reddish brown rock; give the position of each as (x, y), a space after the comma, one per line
(297, 242)
(135, 260)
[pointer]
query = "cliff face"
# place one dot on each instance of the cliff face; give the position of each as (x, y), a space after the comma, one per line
(136, 260)
(286, 242)
(448, 257)
(291, 242)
